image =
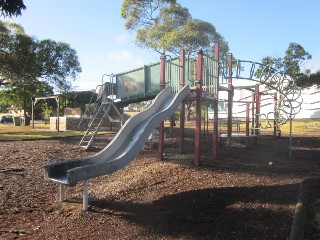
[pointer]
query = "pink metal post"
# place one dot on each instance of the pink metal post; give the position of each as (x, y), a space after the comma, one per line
(161, 125)
(198, 108)
(230, 99)
(182, 105)
(247, 118)
(257, 120)
(253, 113)
(215, 147)
(275, 105)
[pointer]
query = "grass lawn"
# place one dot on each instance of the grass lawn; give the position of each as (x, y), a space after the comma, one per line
(9, 132)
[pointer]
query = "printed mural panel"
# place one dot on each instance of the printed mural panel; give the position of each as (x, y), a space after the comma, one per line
(131, 83)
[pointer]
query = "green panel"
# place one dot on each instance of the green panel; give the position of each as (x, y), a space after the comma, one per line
(173, 74)
(152, 78)
(131, 83)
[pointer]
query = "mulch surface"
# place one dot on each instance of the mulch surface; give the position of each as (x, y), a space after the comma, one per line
(237, 196)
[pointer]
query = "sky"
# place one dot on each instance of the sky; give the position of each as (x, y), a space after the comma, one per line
(253, 29)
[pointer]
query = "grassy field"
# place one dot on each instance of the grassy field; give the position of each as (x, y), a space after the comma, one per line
(8, 132)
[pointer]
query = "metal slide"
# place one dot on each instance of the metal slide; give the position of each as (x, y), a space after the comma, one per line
(124, 147)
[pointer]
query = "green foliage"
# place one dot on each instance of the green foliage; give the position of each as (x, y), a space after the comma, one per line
(24, 59)
(166, 26)
(20, 95)
(290, 65)
(139, 106)
(47, 112)
(89, 108)
(78, 99)
(10, 8)
(30, 67)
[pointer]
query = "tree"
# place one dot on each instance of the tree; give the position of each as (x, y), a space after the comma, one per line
(290, 65)
(10, 8)
(30, 67)
(166, 26)
(24, 59)
(21, 94)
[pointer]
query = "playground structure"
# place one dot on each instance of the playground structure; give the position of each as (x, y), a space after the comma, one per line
(206, 77)
(122, 149)
(209, 78)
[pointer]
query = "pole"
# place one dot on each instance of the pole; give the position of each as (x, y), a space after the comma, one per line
(58, 114)
(182, 105)
(216, 105)
(198, 108)
(230, 99)
(161, 125)
(32, 111)
(257, 120)
(290, 145)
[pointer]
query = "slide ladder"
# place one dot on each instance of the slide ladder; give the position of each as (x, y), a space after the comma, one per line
(104, 106)
(98, 119)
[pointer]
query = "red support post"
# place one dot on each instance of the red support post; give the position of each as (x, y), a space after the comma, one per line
(172, 124)
(247, 123)
(247, 118)
(198, 108)
(230, 100)
(275, 106)
(161, 125)
(182, 105)
(257, 115)
(215, 147)
(253, 113)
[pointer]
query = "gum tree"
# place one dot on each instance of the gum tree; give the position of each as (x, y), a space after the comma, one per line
(24, 58)
(165, 26)
(295, 56)
(26, 62)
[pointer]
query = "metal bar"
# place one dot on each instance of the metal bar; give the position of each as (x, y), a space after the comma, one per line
(215, 147)
(85, 195)
(275, 104)
(61, 199)
(182, 105)
(247, 118)
(198, 108)
(161, 125)
(230, 98)
(257, 115)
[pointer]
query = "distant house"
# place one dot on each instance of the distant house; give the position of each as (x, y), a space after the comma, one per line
(15, 111)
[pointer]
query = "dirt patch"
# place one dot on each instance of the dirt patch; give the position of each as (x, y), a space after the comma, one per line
(238, 196)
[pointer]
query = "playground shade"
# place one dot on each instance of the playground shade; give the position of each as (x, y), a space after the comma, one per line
(124, 147)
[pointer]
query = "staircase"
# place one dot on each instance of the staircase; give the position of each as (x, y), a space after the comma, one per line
(103, 106)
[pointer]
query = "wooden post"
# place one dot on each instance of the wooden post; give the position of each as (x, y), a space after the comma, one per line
(198, 109)
(182, 105)
(58, 114)
(161, 125)
(32, 110)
